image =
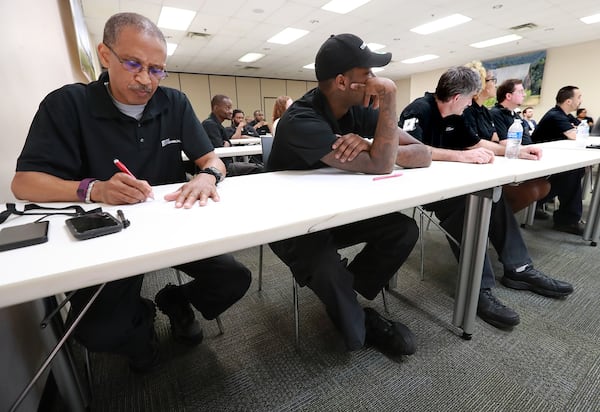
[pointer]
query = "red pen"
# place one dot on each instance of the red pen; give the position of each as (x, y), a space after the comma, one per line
(387, 176)
(121, 166)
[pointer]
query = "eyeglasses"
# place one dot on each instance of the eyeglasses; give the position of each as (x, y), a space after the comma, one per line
(492, 79)
(134, 67)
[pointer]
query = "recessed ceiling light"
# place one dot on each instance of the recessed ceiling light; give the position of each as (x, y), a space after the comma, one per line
(595, 18)
(286, 36)
(420, 59)
(171, 47)
(175, 19)
(251, 57)
(441, 24)
(375, 46)
(496, 41)
(343, 6)
(309, 66)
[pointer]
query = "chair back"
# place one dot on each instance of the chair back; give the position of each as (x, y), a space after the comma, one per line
(267, 143)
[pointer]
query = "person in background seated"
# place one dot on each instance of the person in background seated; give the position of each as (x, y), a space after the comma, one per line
(528, 117)
(435, 120)
(259, 123)
(583, 117)
(559, 124)
(509, 97)
(327, 127)
(222, 109)
(68, 157)
(239, 129)
(280, 106)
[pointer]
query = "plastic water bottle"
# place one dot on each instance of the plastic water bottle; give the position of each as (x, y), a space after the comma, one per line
(513, 140)
(583, 131)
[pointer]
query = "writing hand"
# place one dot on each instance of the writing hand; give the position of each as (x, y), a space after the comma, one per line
(122, 189)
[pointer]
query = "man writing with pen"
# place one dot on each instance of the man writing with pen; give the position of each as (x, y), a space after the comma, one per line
(69, 156)
(327, 127)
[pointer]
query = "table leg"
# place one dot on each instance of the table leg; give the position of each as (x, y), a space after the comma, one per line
(470, 265)
(592, 226)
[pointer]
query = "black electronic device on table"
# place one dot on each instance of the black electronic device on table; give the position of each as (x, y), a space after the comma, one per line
(14, 237)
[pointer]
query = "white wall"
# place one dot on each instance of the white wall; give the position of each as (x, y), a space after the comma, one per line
(35, 49)
(35, 45)
(575, 65)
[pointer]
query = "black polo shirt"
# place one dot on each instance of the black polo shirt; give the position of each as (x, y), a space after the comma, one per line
(479, 121)
(422, 120)
(261, 130)
(246, 131)
(215, 130)
(553, 125)
(78, 131)
(504, 118)
(307, 130)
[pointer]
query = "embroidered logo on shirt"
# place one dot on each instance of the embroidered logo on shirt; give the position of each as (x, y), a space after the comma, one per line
(168, 141)
(410, 124)
(449, 129)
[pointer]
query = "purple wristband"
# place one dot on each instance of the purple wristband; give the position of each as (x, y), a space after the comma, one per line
(83, 187)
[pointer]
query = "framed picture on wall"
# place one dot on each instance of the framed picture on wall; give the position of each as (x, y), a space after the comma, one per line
(88, 59)
(527, 67)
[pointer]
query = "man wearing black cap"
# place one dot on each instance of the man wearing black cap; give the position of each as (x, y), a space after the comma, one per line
(328, 127)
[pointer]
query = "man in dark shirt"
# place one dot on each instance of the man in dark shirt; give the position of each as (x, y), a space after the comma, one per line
(559, 124)
(435, 120)
(239, 129)
(260, 124)
(222, 109)
(509, 96)
(327, 127)
(68, 157)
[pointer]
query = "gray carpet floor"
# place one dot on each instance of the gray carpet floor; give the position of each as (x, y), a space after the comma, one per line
(550, 362)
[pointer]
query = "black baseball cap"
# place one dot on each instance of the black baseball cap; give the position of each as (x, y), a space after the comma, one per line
(342, 52)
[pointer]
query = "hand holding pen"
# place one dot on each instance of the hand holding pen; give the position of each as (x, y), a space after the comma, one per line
(135, 184)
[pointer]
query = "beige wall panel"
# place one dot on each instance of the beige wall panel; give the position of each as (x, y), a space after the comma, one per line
(566, 67)
(402, 95)
(248, 95)
(172, 81)
(196, 87)
(223, 85)
(311, 85)
(296, 89)
(273, 87)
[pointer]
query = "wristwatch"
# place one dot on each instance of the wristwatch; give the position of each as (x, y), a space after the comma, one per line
(214, 172)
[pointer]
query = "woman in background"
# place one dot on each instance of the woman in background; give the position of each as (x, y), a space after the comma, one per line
(280, 106)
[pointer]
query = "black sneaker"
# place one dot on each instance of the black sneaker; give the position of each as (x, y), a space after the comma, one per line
(494, 312)
(573, 228)
(145, 360)
(535, 281)
(388, 336)
(184, 326)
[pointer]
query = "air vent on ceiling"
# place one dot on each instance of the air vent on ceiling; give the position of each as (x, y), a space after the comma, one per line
(250, 68)
(523, 27)
(195, 34)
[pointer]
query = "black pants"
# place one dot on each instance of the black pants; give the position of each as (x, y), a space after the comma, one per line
(120, 321)
(567, 186)
(504, 234)
(315, 262)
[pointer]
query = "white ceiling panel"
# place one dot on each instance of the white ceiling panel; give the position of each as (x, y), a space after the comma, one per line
(237, 27)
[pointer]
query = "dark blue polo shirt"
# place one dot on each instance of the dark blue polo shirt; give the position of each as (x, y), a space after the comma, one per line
(78, 131)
